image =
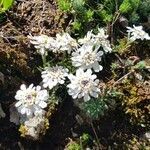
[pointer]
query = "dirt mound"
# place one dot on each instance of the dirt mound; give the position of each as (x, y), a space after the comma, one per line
(18, 58)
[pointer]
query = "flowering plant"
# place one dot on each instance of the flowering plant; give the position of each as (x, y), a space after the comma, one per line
(31, 100)
(82, 83)
(137, 32)
(54, 75)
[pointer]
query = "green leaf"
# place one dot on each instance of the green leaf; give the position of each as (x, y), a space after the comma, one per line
(5, 5)
(89, 15)
(129, 6)
(94, 108)
(76, 25)
(141, 65)
(85, 138)
(64, 5)
(105, 16)
(78, 5)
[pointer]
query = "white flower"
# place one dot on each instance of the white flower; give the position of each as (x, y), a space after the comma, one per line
(31, 100)
(87, 39)
(55, 47)
(106, 46)
(87, 57)
(137, 33)
(101, 39)
(101, 34)
(66, 42)
(53, 76)
(83, 84)
(35, 126)
(41, 43)
(63, 43)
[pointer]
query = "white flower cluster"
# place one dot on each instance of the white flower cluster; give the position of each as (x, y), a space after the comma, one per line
(137, 32)
(86, 57)
(31, 103)
(53, 76)
(83, 84)
(34, 126)
(41, 43)
(31, 100)
(59, 44)
(100, 40)
(85, 54)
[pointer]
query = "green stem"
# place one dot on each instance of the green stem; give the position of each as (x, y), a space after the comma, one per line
(44, 60)
(97, 139)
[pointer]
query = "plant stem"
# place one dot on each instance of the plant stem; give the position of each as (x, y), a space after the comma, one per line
(44, 60)
(81, 145)
(97, 139)
(126, 75)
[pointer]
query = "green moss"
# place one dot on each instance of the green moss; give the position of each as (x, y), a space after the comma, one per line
(135, 103)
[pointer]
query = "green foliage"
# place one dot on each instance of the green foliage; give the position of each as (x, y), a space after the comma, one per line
(86, 12)
(136, 10)
(134, 17)
(125, 6)
(129, 6)
(85, 138)
(106, 10)
(123, 46)
(144, 8)
(78, 6)
(106, 17)
(82, 14)
(73, 146)
(114, 66)
(142, 12)
(5, 5)
(2, 17)
(89, 15)
(76, 25)
(141, 65)
(94, 108)
(64, 5)
(66, 62)
(80, 144)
